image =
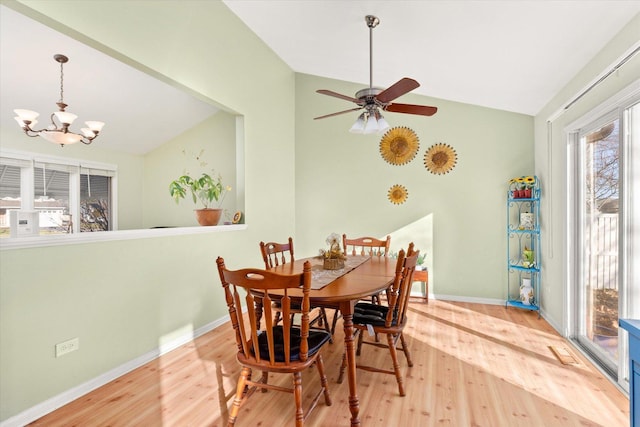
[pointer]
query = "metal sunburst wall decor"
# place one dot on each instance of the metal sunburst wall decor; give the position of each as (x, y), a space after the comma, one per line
(398, 194)
(440, 158)
(399, 145)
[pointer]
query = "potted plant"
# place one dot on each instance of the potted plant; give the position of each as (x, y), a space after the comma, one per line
(206, 190)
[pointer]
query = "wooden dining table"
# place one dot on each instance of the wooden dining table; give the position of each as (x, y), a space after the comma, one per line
(373, 275)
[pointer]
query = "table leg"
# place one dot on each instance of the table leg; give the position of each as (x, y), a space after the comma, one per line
(354, 402)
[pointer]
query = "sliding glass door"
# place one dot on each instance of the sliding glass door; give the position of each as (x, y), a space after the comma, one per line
(604, 211)
(599, 214)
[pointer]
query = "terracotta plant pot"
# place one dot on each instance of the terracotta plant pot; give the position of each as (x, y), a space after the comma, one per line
(208, 216)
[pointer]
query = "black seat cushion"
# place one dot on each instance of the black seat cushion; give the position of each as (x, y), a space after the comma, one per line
(294, 305)
(372, 314)
(315, 340)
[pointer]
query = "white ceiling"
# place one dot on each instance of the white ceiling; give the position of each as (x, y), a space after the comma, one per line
(140, 112)
(512, 55)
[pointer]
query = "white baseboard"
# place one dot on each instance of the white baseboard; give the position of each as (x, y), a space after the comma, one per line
(457, 298)
(552, 322)
(50, 405)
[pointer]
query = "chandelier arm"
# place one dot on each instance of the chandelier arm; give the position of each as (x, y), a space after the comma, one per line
(27, 129)
(52, 121)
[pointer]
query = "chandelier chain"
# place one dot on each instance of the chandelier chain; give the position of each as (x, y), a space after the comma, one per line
(61, 82)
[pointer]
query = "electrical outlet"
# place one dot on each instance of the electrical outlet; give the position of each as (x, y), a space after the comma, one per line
(67, 346)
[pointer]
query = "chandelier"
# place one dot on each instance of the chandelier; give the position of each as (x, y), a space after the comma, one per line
(58, 131)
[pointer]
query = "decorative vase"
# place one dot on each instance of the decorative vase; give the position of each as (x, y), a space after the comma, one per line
(208, 216)
(333, 263)
(526, 221)
(526, 292)
(527, 193)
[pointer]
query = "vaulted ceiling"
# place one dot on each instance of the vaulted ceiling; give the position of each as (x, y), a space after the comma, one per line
(513, 55)
(510, 55)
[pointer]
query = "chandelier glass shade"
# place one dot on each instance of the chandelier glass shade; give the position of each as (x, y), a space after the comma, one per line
(58, 131)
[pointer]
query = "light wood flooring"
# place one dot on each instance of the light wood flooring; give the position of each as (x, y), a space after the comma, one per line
(474, 365)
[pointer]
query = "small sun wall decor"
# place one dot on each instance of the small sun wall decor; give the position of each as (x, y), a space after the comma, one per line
(399, 145)
(440, 158)
(398, 194)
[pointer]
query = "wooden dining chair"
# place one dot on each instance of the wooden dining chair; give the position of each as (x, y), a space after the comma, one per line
(366, 246)
(275, 254)
(283, 349)
(363, 246)
(388, 320)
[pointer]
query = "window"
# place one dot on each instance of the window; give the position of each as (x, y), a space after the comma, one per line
(95, 200)
(68, 197)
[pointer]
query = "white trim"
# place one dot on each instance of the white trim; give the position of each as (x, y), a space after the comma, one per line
(474, 300)
(50, 405)
(45, 158)
(618, 101)
(551, 322)
(109, 236)
(614, 66)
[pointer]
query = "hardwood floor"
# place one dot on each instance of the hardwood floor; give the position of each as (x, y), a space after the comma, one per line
(474, 365)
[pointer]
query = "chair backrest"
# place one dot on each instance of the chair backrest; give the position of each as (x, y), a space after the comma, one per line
(401, 287)
(257, 339)
(275, 254)
(366, 246)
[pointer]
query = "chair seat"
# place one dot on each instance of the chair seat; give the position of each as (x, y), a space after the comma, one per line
(316, 339)
(372, 314)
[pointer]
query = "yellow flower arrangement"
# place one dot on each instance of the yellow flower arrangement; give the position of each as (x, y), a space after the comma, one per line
(522, 187)
(333, 257)
(335, 250)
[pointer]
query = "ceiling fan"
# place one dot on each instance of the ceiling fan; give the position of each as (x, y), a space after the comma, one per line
(374, 99)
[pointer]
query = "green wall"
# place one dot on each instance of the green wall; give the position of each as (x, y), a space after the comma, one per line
(214, 140)
(125, 298)
(551, 160)
(458, 218)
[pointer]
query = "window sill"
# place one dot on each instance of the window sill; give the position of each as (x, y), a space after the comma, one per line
(109, 236)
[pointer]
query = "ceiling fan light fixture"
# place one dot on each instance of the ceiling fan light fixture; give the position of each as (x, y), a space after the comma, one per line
(383, 125)
(58, 133)
(358, 126)
(371, 126)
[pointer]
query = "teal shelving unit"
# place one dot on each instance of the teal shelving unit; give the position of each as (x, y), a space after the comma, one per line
(523, 244)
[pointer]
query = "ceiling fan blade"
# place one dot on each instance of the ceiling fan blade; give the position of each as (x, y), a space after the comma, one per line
(422, 110)
(336, 114)
(338, 95)
(402, 86)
